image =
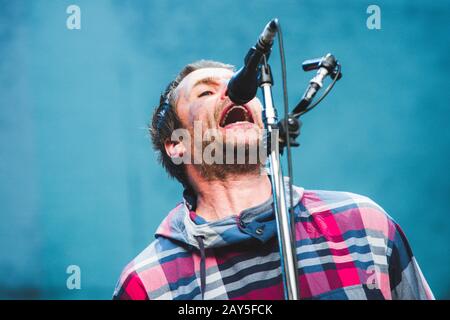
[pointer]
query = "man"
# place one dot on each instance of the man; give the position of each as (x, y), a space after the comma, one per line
(220, 241)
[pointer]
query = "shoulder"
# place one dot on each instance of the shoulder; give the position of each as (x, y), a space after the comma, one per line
(335, 199)
(348, 212)
(130, 285)
(144, 273)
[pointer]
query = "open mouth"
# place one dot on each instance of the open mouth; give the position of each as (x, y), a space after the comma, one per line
(235, 115)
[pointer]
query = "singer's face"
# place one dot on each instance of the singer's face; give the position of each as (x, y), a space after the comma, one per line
(226, 137)
(202, 97)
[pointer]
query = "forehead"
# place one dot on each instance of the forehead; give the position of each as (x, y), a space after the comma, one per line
(189, 81)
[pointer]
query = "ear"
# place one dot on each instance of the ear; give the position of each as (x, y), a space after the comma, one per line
(174, 149)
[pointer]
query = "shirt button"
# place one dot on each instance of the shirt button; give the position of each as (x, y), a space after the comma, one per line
(259, 231)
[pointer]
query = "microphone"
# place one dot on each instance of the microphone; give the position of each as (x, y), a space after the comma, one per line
(327, 66)
(243, 85)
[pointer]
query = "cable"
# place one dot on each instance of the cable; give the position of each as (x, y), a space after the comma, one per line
(288, 144)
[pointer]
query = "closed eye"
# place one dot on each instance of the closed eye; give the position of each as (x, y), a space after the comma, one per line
(205, 93)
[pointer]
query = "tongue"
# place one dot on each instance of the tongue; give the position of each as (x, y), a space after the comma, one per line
(235, 115)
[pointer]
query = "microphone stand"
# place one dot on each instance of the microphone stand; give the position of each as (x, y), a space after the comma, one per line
(286, 239)
(275, 143)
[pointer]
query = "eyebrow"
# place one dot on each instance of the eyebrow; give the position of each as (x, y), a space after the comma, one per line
(210, 80)
(207, 81)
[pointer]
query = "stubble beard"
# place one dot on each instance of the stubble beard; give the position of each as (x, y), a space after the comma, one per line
(241, 157)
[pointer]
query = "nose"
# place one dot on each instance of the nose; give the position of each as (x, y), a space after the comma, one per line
(224, 91)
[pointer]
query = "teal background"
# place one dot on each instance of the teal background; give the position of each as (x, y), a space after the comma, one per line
(79, 182)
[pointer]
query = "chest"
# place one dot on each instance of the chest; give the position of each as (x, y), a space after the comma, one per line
(352, 269)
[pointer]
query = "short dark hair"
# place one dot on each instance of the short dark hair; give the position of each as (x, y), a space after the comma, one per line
(165, 119)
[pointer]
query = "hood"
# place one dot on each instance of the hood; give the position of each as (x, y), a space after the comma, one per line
(256, 222)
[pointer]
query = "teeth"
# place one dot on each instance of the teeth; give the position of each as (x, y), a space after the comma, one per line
(247, 116)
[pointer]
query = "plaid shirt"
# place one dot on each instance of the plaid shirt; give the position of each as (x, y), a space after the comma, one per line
(347, 248)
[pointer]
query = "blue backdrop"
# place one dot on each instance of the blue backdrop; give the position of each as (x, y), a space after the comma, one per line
(79, 182)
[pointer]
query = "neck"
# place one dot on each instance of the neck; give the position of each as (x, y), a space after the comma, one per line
(218, 199)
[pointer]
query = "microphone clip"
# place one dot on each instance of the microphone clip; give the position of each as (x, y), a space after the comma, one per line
(294, 124)
(328, 62)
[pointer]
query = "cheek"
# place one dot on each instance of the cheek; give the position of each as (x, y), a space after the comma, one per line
(195, 113)
(256, 107)
(184, 116)
(204, 112)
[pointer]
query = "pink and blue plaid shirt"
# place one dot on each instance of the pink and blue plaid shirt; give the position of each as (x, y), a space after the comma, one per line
(347, 248)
